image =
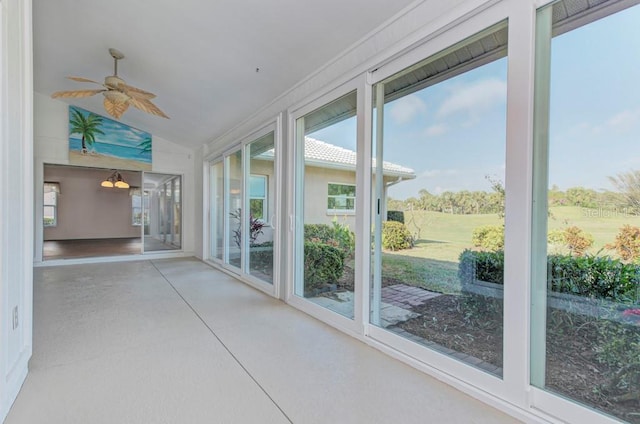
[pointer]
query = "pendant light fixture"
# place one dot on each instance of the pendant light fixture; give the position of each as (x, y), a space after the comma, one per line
(114, 180)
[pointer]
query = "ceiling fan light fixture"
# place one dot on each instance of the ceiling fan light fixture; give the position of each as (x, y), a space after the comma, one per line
(116, 97)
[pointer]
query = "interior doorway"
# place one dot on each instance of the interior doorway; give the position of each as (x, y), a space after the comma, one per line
(84, 218)
(161, 201)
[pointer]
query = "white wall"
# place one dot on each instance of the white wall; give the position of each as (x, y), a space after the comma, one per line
(88, 211)
(16, 197)
(51, 146)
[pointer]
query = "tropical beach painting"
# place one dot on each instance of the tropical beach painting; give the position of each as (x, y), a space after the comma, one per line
(101, 142)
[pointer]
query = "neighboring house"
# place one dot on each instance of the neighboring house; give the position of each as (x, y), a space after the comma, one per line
(329, 181)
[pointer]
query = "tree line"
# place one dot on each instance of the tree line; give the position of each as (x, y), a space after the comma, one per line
(465, 202)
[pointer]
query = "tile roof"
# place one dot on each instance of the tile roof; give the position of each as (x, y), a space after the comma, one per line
(323, 153)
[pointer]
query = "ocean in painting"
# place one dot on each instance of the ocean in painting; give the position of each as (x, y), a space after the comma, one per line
(116, 145)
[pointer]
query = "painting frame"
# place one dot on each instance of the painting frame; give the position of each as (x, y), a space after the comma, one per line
(100, 142)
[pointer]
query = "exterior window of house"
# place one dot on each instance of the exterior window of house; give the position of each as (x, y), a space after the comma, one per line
(136, 207)
(258, 197)
(50, 212)
(341, 198)
(444, 118)
(585, 306)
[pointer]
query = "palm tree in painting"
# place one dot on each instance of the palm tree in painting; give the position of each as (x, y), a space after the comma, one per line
(86, 126)
(145, 145)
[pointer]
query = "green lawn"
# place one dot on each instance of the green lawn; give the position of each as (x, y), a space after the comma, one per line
(441, 237)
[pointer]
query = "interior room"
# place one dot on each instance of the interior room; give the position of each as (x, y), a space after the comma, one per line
(81, 218)
(310, 212)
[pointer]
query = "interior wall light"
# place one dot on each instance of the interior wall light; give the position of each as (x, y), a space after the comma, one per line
(115, 180)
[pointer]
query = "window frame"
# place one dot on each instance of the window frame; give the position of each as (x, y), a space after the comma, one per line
(334, 211)
(136, 191)
(54, 206)
(264, 199)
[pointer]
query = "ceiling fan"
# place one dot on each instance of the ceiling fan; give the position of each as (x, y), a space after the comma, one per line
(117, 94)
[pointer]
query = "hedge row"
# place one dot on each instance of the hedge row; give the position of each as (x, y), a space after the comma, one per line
(599, 277)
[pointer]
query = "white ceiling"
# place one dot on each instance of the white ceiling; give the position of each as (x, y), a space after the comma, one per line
(198, 56)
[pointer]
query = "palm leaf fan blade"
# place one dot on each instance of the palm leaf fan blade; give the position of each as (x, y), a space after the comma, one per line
(115, 109)
(146, 105)
(76, 93)
(81, 79)
(136, 92)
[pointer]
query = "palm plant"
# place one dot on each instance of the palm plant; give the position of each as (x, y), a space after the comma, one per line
(87, 127)
(145, 145)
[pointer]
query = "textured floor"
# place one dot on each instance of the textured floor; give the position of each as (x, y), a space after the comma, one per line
(174, 341)
(95, 248)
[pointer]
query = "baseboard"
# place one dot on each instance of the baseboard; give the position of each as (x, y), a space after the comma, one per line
(123, 258)
(14, 383)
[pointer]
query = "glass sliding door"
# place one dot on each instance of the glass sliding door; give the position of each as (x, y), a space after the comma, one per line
(243, 209)
(438, 201)
(585, 323)
(325, 181)
(216, 210)
(162, 211)
(261, 202)
(233, 208)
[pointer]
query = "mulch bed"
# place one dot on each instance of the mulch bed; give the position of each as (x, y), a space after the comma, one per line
(472, 324)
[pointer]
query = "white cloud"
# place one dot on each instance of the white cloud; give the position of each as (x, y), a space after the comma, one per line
(436, 130)
(474, 98)
(406, 108)
(621, 122)
(430, 173)
(624, 120)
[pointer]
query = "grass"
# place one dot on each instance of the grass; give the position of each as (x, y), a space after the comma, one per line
(441, 237)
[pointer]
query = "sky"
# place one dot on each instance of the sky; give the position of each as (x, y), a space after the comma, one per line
(116, 132)
(453, 134)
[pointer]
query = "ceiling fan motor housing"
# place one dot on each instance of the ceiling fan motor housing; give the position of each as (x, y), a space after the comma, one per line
(113, 81)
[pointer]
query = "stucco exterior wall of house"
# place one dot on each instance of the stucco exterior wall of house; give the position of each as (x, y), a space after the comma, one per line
(316, 182)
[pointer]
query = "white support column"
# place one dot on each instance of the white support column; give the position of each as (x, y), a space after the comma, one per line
(16, 198)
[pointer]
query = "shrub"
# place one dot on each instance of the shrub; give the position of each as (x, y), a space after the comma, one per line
(321, 232)
(261, 257)
(627, 243)
(397, 216)
(577, 240)
(556, 237)
(336, 235)
(490, 237)
(344, 236)
(574, 239)
(322, 264)
(483, 266)
(594, 276)
(589, 276)
(396, 236)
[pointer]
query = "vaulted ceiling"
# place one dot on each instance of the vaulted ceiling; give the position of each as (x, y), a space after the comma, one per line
(212, 63)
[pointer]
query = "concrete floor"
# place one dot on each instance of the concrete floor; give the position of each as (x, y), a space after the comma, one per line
(174, 341)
